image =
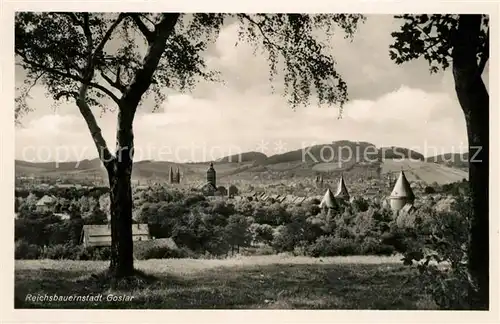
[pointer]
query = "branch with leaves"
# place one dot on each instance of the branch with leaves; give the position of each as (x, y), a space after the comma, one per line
(71, 49)
(433, 37)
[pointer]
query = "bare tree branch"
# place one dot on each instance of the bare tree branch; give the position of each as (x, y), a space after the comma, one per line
(143, 76)
(117, 83)
(73, 18)
(142, 27)
(88, 35)
(429, 38)
(69, 76)
(102, 148)
(96, 133)
(435, 42)
(35, 81)
(108, 34)
(264, 34)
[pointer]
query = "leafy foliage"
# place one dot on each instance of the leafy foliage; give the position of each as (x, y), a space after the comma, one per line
(432, 37)
(440, 252)
(55, 49)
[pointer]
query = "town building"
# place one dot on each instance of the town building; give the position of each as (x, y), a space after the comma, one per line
(328, 204)
(401, 194)
(100, 235)
(342, 192)
(174, 178)
(46, 204)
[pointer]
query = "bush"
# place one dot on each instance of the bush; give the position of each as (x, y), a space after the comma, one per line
(371, 246)
(56, 252)
(93, 253)
(331, 246)
(284, 239)
(26, 251)
(259, 250)
(262, 233)
(429, 190)
(160, 249)
(162, 252)
(100, 253)
(450, 284)
(74, 252)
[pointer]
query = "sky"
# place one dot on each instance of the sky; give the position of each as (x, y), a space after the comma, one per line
(389, 105)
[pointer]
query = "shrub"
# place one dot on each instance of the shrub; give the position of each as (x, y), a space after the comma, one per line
(284, 239)
(371, 246)
(429, 190)
(101, 253)
(160, 249)
(82, 253)
(261, 233)
(56, 251)
(193, 199)
(162, 252)
(62, 251)
(315, 201)
(450, 285)
(24, 250)
(331, 246)
(259, 250)
(94, 253)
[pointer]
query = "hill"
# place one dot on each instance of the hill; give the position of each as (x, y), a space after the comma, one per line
(334, 152)
(357, 160)
(424, 171)
(244, 157)
(455, 160)
(395, 152)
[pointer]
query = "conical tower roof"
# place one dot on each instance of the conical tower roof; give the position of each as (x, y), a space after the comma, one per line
(402, 188)
(342, 189)
(328, 200)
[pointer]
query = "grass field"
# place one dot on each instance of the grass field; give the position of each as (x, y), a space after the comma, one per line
(275, 282)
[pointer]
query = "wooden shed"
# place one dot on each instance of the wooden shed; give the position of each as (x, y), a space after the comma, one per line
(100, 235)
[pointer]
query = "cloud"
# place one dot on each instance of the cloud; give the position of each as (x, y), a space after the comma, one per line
(389, 105)
(231, 121)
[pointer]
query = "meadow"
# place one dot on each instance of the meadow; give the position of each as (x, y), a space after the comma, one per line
(249, 282)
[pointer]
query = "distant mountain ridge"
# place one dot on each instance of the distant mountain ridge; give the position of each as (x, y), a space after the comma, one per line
(244, 157)
(456, 160)
(338, 156)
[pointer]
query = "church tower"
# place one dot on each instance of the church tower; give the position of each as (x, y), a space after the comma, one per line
(211, 175)
(342, 192)
(171, 175)
(178, 176)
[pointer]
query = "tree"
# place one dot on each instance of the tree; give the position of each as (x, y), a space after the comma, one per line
(237, 232)
(96, 216)
(462, 42)
(261, 233)
(71, 56)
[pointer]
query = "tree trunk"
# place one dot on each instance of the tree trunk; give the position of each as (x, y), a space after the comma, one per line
(119, 167)
(474, 100)
(122, 262)
(478, 132)
(120, 174)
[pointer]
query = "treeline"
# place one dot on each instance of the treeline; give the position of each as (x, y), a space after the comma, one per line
(203, 227)
(67, 193)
